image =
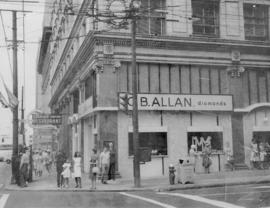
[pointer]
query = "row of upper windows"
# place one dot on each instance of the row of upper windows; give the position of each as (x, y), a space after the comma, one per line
(69, 55)
(206, 19)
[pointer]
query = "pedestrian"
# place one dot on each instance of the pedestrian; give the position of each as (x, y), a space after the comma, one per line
(104, 163)
(66, 173)
(94, 170)
(254, 154)
(77, 171)
(193, 156)
(47, 160)
(25, 159)
(35, 163)
(263, 154)
(111, 172)
(229, 156)
(207, 162)
(53, 154)
(60, 160)
(39, 164)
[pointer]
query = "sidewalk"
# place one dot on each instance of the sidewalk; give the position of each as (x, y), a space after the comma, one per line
(48, 182)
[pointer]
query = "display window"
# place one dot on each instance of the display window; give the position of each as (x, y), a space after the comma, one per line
(156, 141)
(200, 139)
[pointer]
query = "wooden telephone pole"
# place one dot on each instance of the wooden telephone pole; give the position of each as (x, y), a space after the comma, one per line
(15, 167)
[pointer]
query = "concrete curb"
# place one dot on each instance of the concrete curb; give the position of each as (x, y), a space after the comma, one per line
(131, 189)
(198, 186)
(79, 190)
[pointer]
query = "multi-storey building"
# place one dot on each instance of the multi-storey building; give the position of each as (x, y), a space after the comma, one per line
(203, 76)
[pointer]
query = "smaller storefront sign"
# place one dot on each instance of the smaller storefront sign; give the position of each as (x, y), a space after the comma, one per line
(46, 119)
(176, 102)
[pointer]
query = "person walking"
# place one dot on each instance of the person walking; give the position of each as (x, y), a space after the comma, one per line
(111, 172)
(24, 168)
(104, 163)
(47, 160)
(93, 168)
(39, 164)
(77, 169)
(60, 160)
(207, 162)
(35, 161)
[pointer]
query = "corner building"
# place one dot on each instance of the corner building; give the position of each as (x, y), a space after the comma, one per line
(203, 76)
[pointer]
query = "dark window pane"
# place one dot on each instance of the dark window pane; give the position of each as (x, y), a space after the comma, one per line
(208, 12)
(156, 141)
(256, 21)
(151, 22)
(87, 87)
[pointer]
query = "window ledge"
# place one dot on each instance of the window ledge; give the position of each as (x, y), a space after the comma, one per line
(152, 156)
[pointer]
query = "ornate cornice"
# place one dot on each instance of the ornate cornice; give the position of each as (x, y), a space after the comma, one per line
(183, 43)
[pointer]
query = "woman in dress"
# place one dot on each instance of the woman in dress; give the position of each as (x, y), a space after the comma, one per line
(77, 170)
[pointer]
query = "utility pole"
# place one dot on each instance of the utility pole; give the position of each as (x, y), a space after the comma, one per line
(22, 117)
(15, 168)
(135, 122)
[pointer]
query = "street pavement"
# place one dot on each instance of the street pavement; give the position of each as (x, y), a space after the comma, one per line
(238, 189)
(239, 196)
(48, 182)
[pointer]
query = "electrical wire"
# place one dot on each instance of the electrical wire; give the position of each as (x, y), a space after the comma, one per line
(24, 54)
(101, 13)
(9, 61)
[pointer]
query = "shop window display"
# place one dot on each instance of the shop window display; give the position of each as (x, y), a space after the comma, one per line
(156, 141)
(200, 139)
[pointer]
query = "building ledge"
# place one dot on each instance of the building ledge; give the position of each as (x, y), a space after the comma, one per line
(251, 107)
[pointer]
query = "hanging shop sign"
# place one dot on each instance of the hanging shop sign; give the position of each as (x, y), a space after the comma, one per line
(46, 119)
(178, 102)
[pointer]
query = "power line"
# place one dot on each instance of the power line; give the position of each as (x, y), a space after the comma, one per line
(10, 66)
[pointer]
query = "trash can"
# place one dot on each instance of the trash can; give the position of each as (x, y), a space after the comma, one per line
(185, 171)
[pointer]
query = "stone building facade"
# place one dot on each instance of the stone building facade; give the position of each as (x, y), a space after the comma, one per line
(203, 76)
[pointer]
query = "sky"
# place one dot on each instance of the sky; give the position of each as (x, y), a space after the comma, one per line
(26, 75)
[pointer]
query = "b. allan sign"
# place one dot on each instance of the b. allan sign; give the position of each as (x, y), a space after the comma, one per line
(183, 102)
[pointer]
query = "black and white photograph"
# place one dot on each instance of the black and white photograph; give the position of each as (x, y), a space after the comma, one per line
(135, 103)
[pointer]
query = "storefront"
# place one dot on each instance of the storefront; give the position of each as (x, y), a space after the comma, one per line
(169, 124)
(256, 120)
(88, 131)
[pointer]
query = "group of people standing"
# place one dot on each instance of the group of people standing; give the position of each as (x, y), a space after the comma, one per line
(43, 159)
(259, 154)
(66, 168)
(102, 164)
(206, 156)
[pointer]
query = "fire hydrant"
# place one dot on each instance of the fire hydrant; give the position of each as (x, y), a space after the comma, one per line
(171, 174)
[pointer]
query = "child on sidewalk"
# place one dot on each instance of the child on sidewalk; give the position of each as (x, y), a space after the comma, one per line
(66, 174)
